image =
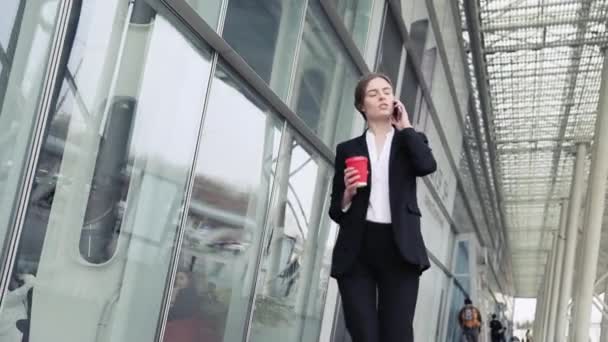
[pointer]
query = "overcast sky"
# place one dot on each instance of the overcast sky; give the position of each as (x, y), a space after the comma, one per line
(526, 307)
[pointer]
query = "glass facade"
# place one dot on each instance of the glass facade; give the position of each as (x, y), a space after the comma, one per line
(22, 81)
(163, 181)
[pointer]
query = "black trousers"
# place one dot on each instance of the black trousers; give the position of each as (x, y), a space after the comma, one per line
(379, 293)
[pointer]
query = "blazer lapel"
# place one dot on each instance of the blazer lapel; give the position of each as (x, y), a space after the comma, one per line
(363, 150)
(392, 172)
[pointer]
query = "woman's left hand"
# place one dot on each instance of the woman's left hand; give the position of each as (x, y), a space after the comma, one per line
(403, 120)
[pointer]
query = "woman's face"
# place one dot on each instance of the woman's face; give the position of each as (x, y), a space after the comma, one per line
(182, 280)
(378, 100)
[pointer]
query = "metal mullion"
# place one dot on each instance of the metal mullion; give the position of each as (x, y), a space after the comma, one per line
(221, 21)
(296, 55)
(545, 91)
(537, 46)
(532, 7)
(65, 25)
(540, 24)
(544, 74)
(522, 62)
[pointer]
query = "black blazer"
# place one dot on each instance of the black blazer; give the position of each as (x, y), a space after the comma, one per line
(410, 157)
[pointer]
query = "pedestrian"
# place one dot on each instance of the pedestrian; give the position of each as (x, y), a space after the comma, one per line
(470, 321)
(497, 330)
(379, 254)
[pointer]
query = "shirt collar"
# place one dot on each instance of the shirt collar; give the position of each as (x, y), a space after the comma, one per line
(389, 134)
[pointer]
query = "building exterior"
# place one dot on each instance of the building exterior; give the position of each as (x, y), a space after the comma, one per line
(144, 141)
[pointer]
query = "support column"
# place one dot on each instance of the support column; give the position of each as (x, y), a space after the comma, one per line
(559, 260)
(604, 334)
(550, 286)
(538, 316)
(578, 266)
(547, 292)
(593, 222)
(574, 208)
(539, 323)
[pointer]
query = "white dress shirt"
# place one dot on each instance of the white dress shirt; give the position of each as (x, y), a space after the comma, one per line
(379, 209)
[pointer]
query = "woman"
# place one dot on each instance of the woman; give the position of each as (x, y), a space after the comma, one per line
(379, 254)
(184, 322)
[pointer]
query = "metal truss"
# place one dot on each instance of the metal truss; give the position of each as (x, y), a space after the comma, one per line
(539, 64)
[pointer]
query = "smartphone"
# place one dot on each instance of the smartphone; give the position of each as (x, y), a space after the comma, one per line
(396, 112)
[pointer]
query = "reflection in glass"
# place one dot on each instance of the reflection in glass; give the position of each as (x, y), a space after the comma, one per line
(233, 177)
(265, 33)
(26, 29)
(325, 80)
(9, 10)
(411, 93)
(209, 10)
(391, 48)
(110, 184)
(454, 332)
(295, 266)
(461, 274)
(356, 15)
(418, 35)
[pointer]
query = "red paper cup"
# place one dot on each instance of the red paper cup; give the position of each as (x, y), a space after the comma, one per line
(359, 164)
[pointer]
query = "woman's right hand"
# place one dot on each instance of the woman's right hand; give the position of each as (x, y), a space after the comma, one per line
(351, 176)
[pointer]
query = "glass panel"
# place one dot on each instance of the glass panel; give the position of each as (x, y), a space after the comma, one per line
(325, 80)
(26, 29)
(391, 47)
(265, 33)
(233, 178)
(356, 15)
(210, 10)
(110, 185)
(295, 266)
(7, 24)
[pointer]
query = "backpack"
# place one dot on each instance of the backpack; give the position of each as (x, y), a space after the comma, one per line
(470, 317)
